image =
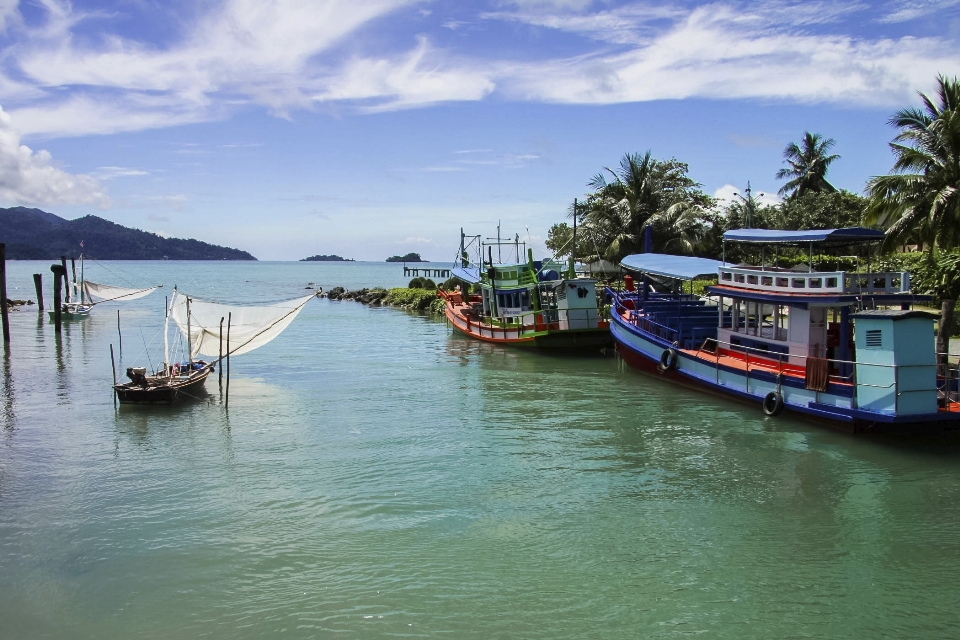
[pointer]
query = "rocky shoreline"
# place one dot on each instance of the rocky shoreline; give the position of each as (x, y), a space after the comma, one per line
(401, 298)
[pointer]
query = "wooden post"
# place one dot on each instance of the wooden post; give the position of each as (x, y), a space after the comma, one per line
(119, 335)
(220, 359)
(63, 263)
(114, 365)
(59, 274)
(38, 283)
(229, 321)
(4, 310)
(73, 268)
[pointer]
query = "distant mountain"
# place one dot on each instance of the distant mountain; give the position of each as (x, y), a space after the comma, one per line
(322, 258)
(410, 257)
(32, 234)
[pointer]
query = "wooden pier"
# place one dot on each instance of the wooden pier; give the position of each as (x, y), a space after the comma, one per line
(427, 272)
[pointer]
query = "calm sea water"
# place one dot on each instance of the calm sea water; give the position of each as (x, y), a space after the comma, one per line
(378, 476)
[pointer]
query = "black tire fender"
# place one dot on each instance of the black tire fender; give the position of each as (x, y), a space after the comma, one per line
(668, 360)
(773, 404)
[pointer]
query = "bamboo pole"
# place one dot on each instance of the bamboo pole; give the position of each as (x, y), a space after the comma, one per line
(38, 283)
(119, 335)
(113, 364)
(220, 359)
(63, 263)
(4, 310)
(229, 322)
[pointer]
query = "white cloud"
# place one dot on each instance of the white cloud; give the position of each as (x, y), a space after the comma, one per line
(29, 177)
(720, 52)
(905, 11)
(285, 55)
(108, 173)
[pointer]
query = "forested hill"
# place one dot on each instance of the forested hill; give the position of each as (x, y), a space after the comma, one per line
(32, 234)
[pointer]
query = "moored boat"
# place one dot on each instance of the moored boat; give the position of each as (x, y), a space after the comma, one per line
(843, 347)
(211, 329)
(541, 304)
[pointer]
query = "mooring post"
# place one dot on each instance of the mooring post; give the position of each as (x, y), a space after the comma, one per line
(119, 335)
(59, 274)
(38, 283)
(63, 263)
(4, 310)
(73, 268)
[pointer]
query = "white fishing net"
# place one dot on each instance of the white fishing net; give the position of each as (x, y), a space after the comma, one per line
(250, 326)
(106, 292)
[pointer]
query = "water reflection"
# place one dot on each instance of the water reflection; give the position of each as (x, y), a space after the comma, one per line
(9, 395)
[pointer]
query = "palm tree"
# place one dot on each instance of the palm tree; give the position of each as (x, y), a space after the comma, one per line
(684, 224)
(808, 164)
(920, 200)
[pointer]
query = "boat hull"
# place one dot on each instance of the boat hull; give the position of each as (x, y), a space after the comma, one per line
(163, 393)
(566, 339)
(835, 406)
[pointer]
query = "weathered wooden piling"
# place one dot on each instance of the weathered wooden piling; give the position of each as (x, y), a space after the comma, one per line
(119, 335)
(220, 359)
(4, 310)
(38, 283)
(59, 275)
(226, 402)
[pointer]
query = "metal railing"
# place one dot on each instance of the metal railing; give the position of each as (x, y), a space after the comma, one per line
(780, 281)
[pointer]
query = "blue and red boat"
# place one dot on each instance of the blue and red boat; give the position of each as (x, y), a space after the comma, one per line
(846, 347)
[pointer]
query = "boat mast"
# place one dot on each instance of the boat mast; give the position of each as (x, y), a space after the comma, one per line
(189, 342)
(166, 342)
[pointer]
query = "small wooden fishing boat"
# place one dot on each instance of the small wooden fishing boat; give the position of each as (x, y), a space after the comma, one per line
(202, 325)
(540, 304)
(837, 346)
(165, 387)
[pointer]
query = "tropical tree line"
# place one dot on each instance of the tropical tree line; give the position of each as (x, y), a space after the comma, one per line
(917, 204)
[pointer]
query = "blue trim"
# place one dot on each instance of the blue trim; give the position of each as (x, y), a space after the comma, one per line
(802, 300)
(670, 266)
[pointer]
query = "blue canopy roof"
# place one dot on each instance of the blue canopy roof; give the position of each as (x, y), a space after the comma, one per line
(467, 274)
(679, 267)
(851, 235)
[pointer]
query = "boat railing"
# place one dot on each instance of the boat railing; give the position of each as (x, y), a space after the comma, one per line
(779, 281)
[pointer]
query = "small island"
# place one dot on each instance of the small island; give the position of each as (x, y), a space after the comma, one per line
(323, 258)
(410, 257)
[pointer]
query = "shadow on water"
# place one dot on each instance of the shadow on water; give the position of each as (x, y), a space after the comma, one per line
(9, 411)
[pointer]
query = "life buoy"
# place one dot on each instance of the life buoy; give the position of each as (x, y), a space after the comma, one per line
(668, 360)
(773, 403)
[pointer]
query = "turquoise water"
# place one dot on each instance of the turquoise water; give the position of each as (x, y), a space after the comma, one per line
(378, 476)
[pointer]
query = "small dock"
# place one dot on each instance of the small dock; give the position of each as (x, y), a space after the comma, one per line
(428, 272)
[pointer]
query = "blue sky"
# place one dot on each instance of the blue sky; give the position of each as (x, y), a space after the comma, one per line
(376, 127)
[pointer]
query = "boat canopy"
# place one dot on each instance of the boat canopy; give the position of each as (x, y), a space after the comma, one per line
(677, 267)
(850, 235)
(467, 274)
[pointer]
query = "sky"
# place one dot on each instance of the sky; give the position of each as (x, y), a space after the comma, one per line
(376, 127)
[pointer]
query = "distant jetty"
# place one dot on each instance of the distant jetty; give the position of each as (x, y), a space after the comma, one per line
(323, 258)
(410, 257)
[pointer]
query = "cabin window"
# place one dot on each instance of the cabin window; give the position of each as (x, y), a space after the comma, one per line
(766, 281)
(799, 283)
(879, 283)
(726, 275)
(738, 277)
(752, 279)
(874, 339)
(832, 283)
(816, 283)
(783, 282)
(861, 283)
(895, 283)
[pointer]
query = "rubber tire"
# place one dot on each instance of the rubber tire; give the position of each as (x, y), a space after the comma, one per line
(773, 404)
(668, 360)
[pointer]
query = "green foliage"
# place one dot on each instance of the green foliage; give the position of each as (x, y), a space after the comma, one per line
(807, 166)
(417, 298)
(919, 202)
(416, 283)
(818, 210)
(451, 284)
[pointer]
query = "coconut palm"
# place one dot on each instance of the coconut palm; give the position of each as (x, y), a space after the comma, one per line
(808, 164)
(920, 200)
(684, 224)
